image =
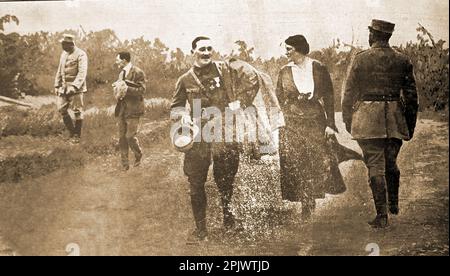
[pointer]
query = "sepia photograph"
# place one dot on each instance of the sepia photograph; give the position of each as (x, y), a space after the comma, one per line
(200, 128)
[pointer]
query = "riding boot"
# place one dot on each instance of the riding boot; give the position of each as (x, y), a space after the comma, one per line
(69, 125)
(393, 183)
(378, 186)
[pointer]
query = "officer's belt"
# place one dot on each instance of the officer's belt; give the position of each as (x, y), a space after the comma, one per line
(380, 98)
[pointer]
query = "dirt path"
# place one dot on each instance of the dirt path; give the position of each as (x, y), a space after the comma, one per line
(146, 211)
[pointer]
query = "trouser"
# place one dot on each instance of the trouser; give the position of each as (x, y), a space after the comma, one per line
(76, 103)
(128, 128)
(380, 157)
(225, 158)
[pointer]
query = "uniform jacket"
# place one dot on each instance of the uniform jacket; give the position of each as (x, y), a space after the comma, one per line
(236, 80)
(132, 105)
(323, 95)
(72, 70)
(380, 98)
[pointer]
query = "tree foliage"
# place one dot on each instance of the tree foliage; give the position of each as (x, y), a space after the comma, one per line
(35, 56)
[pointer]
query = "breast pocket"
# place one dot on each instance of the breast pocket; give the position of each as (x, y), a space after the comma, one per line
(71, 61)
(71, 65)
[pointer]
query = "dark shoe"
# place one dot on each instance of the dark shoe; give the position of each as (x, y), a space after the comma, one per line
(137, 161)
(393, 208)
(196, 237)
(379, 222)
(125, 168)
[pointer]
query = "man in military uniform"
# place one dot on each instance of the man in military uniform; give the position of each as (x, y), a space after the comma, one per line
(220, 85)
(379, 109)
(70, 85)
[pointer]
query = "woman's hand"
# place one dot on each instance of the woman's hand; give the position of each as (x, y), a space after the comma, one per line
(329, 132)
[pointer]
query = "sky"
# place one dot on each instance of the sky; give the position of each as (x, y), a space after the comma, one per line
(263, 24)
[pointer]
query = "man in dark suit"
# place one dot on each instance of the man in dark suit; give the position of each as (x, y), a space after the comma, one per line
(130, 107)
(379, 109)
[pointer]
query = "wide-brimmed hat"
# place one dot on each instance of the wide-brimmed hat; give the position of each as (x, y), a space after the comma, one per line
(184, 136)
(382, 26)
(68, 38)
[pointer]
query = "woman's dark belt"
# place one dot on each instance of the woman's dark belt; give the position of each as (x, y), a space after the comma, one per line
(380, 98)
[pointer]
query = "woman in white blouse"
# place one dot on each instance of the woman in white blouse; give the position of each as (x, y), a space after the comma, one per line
(305, 93)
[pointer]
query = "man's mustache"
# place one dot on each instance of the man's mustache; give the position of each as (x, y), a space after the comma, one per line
(206, 56)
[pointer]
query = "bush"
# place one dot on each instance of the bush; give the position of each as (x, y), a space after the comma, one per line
(431, 67)
(34, 56)
(26, 156)
(42, 122)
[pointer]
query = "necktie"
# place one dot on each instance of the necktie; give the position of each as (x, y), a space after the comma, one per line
(123, 74)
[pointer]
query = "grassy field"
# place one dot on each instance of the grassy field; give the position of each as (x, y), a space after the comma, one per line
(147, 210)
(33, 141)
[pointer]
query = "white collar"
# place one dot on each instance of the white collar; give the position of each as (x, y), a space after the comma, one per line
(302, 75)
(127, 68)
(305, 62)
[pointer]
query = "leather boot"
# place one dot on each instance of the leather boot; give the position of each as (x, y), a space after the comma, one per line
(77, 129)
(69, 125)
(198, 201)
(378, 186)
(228, 217)
(393, 183)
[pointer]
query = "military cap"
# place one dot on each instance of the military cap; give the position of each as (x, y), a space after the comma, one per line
(68, 38)
(382, 26)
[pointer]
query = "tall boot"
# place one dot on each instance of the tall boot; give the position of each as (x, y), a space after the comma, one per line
(378, 186)
(228, 217)
(198, 202)
(69, 124)
(393, 183)
(77, 131)
(78, 126)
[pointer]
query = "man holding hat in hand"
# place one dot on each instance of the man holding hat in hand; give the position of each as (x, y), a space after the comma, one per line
(219, 85)
(70, 84)
(379, 109)
(129, 92)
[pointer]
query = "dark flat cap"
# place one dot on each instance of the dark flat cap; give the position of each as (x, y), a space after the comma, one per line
(382, 26)
(299, 43)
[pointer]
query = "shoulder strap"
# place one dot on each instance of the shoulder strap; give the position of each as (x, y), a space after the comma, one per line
(219, 67)
(197, 80)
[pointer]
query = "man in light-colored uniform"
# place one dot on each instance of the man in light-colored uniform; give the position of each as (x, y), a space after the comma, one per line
(70, 85)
